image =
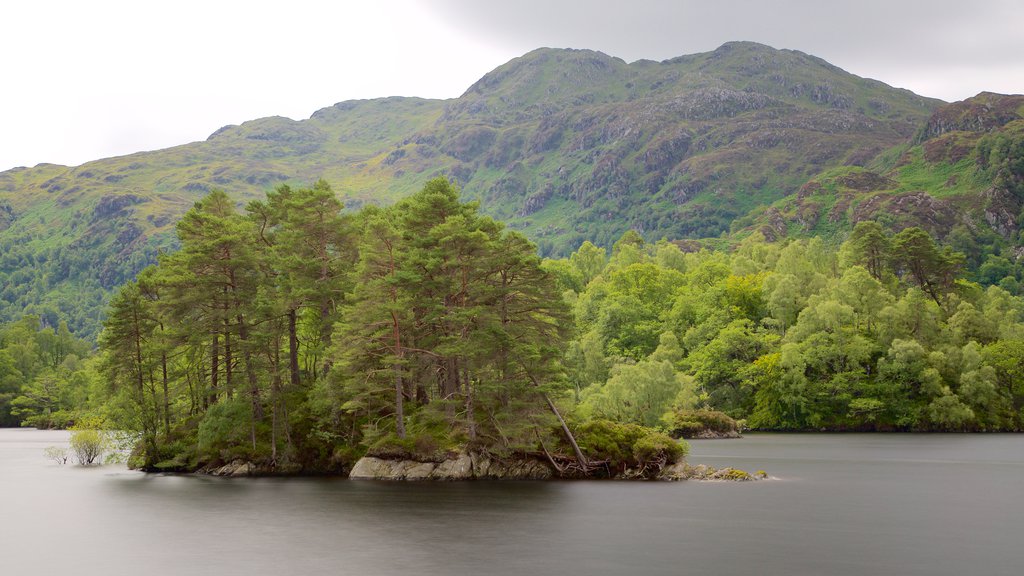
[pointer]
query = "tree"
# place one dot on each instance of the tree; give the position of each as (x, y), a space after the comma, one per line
(641, 393)
(589, 260)
(126, 340)
(870, 248)
(379, 315)
(88, 442)
(917, 257)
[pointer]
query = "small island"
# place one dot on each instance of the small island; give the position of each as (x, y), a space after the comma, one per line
(427, 341)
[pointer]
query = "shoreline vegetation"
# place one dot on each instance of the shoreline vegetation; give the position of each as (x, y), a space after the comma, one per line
(297, 338)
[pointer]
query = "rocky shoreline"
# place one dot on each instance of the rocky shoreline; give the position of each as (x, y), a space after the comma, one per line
(464, 466)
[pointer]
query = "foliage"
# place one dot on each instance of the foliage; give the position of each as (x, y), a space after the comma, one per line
(88, 443)
(293, 332)
(643, 145)
(58, 454)
(685, 423)
(882, 334)
(45, 375)
(623, 447)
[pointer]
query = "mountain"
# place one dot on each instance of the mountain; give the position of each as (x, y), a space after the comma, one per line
(961, 178)
(564, 144)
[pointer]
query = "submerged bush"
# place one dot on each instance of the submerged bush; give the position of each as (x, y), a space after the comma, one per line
(57, 454)
(88, 445)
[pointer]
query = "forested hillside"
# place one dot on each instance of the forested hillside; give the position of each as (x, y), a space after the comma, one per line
(961, 179)
(564, 145)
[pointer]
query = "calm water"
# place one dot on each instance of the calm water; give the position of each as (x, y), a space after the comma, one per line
(843, 504)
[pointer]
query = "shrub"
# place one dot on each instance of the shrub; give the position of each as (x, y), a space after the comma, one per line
(57, 454)
(88, 445)
(655, 447)
(628, 447)
(691, 423)
(224, 433)
(422, 447)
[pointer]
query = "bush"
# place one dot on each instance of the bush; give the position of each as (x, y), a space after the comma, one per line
(422, 447)
(88, 445)
(655, 447)
(224, 433)
(692, 423)
(628, 447)
(57, 454)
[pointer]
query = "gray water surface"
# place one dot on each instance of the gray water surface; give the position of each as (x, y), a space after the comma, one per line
(837, 505)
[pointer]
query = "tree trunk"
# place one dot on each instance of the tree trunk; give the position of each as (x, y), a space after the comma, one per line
(470, 416)
(211, 397)
(167, 401)
(568, 433)
(293, 348)
(228, 359)
(399, 387)
(250, 373)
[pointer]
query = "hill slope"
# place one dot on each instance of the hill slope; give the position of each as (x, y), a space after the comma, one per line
(961, 178)
(564, 144)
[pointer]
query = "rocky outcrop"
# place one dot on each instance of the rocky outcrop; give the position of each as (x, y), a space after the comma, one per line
(460, 466)
(235, 468)
(463, 466)
(683, 471)
(1002, 208)
(982, 113)
(709, 434)
(471, 466)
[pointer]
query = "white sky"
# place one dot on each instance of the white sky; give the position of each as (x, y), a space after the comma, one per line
(84, 80)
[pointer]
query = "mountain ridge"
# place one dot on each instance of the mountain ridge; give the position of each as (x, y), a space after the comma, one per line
(565, 145)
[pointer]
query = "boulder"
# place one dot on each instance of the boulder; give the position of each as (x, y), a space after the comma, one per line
(458, 466)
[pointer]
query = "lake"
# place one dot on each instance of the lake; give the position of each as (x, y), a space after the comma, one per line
(836, 505)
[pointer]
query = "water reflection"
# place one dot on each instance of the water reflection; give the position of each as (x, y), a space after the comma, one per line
(845, 505)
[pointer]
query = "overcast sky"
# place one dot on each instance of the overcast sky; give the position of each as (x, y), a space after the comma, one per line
(84, 80)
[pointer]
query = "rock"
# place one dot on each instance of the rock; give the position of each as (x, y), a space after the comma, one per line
(674, 472)
(481, 465)
(243, 469)
(370, 468)
(708, 434)
(418, 470)
(235, 468)
(683, 471)
(459, 468)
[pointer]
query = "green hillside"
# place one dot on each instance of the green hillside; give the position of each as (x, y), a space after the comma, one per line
(961, 178)
(564, 145)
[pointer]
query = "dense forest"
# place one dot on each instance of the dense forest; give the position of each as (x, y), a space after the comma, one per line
(302, 337)
(46, 375)
(298, 335)
(882, 334)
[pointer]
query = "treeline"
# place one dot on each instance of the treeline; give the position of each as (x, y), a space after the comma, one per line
(882, 335)
(295, 335)
(45, 375)
(300, 336)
